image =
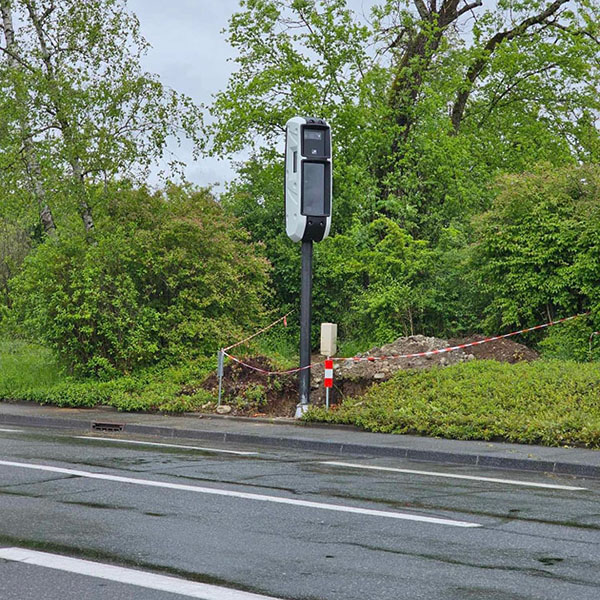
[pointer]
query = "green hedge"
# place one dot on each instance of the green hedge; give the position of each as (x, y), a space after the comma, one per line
(29, 373)
(554, 403)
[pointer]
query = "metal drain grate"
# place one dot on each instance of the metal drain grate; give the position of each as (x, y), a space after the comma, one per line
(107, 427)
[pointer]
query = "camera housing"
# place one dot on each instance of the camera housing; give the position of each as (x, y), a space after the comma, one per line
(308, 179)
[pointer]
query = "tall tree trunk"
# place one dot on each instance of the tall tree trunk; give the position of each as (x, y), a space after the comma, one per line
(32, 165)
(66, 127)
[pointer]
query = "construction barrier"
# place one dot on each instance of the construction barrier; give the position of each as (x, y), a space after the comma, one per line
(395, 356)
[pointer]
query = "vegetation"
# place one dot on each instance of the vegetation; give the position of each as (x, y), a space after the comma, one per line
(30, 373)
(168, 277)
(466, 191)
(553, 403)
(430, 103)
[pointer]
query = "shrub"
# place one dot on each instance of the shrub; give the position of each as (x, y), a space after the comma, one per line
(544, 402)
(537, 255)
(169, 277)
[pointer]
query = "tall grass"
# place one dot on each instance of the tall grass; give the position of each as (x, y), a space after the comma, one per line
(25, 366)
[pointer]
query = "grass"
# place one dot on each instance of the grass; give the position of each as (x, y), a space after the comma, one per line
(554, 403)
(24, 366)
(28, 372)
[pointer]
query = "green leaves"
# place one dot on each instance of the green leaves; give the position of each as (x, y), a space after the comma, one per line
(170, 277)
(77, 100)
(535, 258)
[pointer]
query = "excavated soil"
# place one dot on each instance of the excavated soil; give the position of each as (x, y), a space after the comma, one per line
(506, 350)
(250, 393)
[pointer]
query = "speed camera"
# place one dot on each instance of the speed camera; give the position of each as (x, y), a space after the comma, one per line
(308, 183)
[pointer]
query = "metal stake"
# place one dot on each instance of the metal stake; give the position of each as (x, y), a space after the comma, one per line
(305, 320)
(221, 360)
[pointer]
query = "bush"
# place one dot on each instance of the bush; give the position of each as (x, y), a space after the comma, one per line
(538, 249)
(169, 277)
(553, 403)
(571, 341)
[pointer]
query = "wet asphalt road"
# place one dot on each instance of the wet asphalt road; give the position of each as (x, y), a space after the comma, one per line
(531, 543)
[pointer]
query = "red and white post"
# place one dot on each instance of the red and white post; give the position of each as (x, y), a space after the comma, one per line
(328, 380)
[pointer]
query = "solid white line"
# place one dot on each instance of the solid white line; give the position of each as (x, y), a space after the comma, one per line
(549, 486)
(244, 495)
(12, 430)
(142, 443)
(144, 579)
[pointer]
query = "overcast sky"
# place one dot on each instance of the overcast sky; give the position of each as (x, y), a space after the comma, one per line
(189, 53)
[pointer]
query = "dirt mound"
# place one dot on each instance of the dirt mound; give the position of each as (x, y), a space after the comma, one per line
(251, 393)
(353, 377)
(505, 350)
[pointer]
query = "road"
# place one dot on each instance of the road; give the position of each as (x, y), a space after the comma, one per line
(115, 517)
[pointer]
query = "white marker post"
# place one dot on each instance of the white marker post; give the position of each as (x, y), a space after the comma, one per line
(328, 349)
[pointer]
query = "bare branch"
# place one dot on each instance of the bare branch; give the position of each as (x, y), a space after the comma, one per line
(469, 7)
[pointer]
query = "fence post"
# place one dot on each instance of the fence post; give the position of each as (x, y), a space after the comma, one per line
(221, 360)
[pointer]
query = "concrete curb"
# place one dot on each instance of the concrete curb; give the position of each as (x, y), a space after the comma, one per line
(298, 443)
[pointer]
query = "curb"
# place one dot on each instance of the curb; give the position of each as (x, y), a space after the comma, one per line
(298, 443)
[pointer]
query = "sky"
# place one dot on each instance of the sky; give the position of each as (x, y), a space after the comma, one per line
(189, 53)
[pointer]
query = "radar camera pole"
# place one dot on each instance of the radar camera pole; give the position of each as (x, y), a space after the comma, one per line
(305, 321)
(308, 191)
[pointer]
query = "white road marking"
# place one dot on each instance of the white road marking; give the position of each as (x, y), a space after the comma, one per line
(12, 430)
(243, 495)
(550, 486)
(152, 581)
(142, 443)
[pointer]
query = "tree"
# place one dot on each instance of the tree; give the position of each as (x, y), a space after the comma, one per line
(24, 130)
(83, 109)
(429, 103)
(536, 254)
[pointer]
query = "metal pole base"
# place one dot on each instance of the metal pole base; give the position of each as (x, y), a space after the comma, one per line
(301, 409)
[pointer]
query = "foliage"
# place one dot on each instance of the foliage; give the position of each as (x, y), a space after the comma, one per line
(170, 277)
(383, 275)
(536, 256)
(553, 403)
(427, 109)
(29, 373)
(571, 341)
(76, 106)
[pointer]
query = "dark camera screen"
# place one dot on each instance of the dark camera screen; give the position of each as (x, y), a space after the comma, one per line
(313, 143)
(313, 189)
(313, 135)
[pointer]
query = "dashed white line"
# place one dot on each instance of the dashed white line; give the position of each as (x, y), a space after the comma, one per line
(159, 444)
(11, 430)
(152, 581)
(243, 495)
(550, 486)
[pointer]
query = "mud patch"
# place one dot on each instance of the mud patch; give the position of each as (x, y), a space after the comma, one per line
(250, 393)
